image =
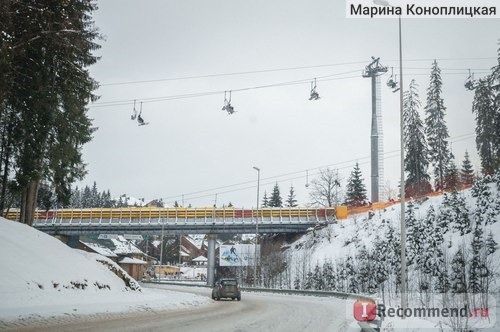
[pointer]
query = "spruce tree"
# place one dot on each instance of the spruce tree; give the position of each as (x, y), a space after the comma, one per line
(467, 171)
(487, 127)
(275, 199)
(416, 151)
(436, 129)
(265, 200)
(458, 279)
(356, 191)
(476, 264)
(318, 280)
(291, 201)
(451, 177)
(48, 93)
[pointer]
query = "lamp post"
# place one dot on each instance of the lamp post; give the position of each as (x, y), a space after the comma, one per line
(402, 182)
(256, 227)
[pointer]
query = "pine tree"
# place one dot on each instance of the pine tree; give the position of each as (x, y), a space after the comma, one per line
(50, 88)
(414, 237)
(491, 244)
(476, 264)
(460, 213)
(467, 171)
(356, 191)
(487, 127)
(451, 177)
(318, 281)
(416, 151)
(291, 201)
(485, 212)
(458, 279)
(329, 276)
(265, 200)
(436, 129)
(275, 200)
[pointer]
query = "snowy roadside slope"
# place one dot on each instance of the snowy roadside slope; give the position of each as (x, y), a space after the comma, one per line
(41, 277)
(344, 238)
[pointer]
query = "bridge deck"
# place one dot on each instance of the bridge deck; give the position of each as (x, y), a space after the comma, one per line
(148, 220)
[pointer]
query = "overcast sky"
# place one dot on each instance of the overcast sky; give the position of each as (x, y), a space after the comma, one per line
(193, 148)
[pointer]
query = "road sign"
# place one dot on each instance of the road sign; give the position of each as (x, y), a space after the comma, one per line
(107, 236)
(133, 237)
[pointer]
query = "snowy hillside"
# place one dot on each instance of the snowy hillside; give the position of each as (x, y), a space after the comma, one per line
(43, 277)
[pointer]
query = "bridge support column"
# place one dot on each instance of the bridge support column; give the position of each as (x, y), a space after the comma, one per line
(211, 259)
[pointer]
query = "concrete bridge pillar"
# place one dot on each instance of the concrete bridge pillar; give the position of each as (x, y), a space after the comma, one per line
(211, 259)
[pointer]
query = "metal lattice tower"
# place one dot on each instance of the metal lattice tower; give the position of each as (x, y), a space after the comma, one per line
(374, 70)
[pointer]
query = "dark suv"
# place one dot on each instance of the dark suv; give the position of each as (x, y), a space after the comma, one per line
(226, 288)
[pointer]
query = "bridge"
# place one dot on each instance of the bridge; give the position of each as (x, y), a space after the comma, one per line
(69, 224)
(152, 220)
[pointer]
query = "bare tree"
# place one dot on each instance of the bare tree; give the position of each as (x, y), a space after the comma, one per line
(325, 189)
(389, 192)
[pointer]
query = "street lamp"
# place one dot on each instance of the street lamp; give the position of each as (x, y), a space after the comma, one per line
(402, 183)
(256, 227)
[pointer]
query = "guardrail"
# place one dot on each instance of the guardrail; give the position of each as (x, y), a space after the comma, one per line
(373, 326)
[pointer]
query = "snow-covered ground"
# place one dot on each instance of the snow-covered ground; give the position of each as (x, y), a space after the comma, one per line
(344, 238)
(42, 277)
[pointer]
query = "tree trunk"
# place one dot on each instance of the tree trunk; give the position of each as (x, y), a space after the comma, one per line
(28, 202)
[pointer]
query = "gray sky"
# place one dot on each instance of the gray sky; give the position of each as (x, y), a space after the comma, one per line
(191, 145)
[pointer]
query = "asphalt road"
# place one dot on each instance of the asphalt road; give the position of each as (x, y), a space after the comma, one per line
(255, 312)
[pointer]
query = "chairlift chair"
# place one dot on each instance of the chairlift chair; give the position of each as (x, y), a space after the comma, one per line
(314, 93)
(227, 104)
(140, 120)
(134, 114)
(392, 82)
(470, 84)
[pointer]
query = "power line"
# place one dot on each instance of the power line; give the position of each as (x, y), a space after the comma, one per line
(349, 164)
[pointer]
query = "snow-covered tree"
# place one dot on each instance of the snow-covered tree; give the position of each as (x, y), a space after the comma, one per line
(458, 276)
(356, 190)
(487, 208)
(414, 239)
(436, 129)
(466, 171)
(329, 276)
(317, 278)
(476, 263)
(416, 150)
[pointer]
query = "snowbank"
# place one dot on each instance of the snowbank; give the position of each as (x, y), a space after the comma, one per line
(41, 277)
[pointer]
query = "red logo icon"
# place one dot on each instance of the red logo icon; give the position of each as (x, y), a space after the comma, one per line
(365, 310)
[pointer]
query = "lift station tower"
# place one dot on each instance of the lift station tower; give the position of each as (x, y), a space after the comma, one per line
(374, 70)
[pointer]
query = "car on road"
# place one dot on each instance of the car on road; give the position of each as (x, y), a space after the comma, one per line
(226, 288)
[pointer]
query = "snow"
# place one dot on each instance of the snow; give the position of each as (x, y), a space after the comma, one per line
(344, 238)
(101, 250)
(129, 260)
(43, 277)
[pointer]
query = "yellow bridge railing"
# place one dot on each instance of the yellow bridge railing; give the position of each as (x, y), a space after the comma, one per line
(151, 213)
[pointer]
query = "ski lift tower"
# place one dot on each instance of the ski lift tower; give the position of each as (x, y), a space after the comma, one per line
(374, 70)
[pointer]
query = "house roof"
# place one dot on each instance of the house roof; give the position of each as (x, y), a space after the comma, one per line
(200, 259)
(100, 249)
(129, 260)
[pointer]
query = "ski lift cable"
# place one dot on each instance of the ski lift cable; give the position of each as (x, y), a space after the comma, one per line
(282, 69)
(208, 93)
